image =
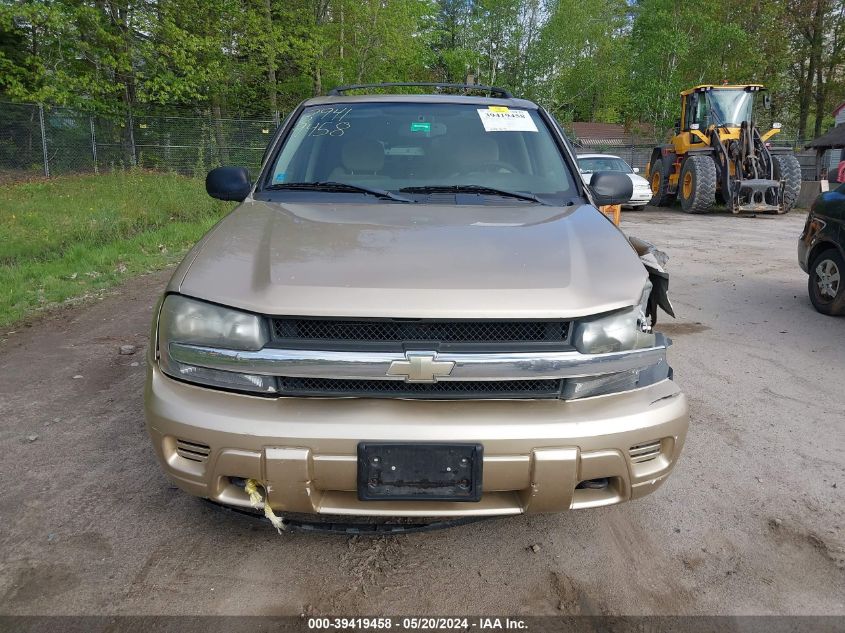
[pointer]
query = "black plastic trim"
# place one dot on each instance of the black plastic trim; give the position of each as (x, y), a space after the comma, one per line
(347, 526)
(409, 339)
(537, 389)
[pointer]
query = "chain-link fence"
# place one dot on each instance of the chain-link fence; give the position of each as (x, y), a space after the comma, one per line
(39, 140)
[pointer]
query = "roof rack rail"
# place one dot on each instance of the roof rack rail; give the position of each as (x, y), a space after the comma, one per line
(493, 90)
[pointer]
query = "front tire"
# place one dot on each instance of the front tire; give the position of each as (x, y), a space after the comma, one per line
(697, 184)
(788, 169)
(659, 181)
(826, 284)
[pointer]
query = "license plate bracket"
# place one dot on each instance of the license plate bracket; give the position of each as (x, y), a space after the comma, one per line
(390, 471)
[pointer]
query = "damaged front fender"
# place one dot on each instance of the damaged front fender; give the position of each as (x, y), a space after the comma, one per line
(654, 261)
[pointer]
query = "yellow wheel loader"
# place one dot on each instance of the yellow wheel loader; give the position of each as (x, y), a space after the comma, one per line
(718, 154)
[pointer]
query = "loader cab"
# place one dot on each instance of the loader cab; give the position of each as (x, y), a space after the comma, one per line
(694, 107)
(730, 107)
(708, 105)
(717, 105)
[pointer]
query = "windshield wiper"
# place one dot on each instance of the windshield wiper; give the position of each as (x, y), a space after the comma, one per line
(337, 187)
(479, 189)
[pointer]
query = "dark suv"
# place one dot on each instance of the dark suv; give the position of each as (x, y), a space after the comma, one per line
(821, 252)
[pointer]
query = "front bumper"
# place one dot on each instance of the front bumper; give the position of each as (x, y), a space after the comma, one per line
(639, 198)
(803, 253)
(304, 449)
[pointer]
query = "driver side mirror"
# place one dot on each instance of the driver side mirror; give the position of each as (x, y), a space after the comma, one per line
(228, 183)
(611, 187)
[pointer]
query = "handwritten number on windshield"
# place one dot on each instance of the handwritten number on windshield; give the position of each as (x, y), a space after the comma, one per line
(329, 128)
(327, 122)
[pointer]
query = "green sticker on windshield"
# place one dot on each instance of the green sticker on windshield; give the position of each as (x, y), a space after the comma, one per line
(420, 126)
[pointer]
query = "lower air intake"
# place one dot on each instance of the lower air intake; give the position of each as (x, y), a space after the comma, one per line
(447, 390)
(644, 452)
(192, 451)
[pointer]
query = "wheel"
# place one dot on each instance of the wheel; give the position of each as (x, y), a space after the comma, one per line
(659, 180)
(697, 185)
(826, 284)
(788, 169)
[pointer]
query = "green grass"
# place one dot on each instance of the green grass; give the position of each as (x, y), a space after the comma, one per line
(71, 237)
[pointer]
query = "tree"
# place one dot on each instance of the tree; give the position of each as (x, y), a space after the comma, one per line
(603, 60)
(580, 67)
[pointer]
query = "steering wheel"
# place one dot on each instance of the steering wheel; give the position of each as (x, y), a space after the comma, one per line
(492, 166)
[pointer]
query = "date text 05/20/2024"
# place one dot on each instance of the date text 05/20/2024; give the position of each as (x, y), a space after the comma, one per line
(416, 623)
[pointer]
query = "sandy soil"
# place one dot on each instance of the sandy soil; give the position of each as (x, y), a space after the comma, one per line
(750, 522)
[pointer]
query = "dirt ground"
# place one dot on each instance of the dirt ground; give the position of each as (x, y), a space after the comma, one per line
(751, 522)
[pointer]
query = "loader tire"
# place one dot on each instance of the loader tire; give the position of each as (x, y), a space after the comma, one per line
(697, 184)
(788, 169)
(658, 178)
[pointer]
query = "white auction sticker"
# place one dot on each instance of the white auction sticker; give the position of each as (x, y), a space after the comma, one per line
(506, 120)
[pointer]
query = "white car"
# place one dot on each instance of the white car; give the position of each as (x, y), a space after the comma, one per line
(590, 163)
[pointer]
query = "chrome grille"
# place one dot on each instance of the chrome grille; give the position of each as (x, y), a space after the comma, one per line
(446, 390)
(396, 332)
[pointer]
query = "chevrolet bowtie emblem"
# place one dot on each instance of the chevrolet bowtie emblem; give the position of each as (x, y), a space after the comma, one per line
(420, 367)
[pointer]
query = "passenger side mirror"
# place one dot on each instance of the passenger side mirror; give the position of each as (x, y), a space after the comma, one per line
(611, 187)
(636, 170)
(228, 183)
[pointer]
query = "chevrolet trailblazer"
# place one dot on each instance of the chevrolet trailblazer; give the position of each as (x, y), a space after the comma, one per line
(416, 310)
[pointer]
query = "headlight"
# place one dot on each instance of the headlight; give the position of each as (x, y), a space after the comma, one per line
(619, 331)
(615, 332)
(192, 322)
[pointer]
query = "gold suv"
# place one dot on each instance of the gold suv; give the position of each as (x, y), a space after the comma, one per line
(416, 310)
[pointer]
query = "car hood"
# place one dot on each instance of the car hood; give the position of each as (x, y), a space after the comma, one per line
(638, 180)
(418, 261)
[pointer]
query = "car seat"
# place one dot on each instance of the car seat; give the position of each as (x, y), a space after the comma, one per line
(361, 161)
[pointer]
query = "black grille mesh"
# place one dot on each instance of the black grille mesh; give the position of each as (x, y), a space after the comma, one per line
(438, 390)
(390, 331)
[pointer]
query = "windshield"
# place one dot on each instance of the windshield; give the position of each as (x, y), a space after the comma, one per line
(729, 107)
(603, 163)
(394, 146)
